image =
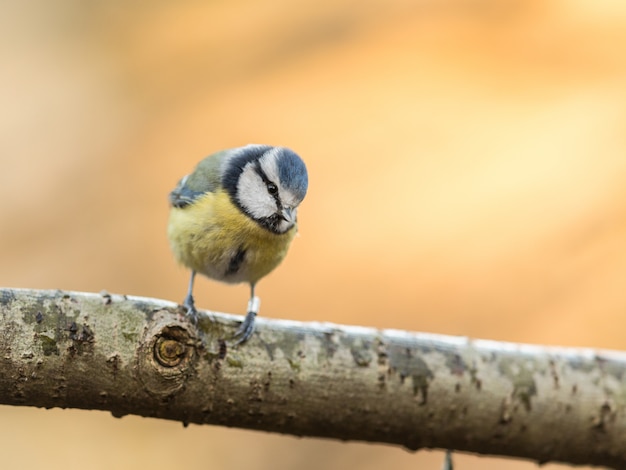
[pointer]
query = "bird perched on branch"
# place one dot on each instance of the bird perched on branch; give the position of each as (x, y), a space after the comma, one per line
(234, 217)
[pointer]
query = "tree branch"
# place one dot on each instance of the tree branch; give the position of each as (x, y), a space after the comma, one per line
(132, 355)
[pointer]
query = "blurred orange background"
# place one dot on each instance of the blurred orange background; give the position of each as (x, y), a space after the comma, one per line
(466, 160)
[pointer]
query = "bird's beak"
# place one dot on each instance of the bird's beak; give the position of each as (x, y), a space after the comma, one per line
(289, 214)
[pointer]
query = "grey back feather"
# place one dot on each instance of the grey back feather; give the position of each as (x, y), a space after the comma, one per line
(205, 178)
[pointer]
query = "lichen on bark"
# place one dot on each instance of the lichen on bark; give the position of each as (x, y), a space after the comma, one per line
(132, 355)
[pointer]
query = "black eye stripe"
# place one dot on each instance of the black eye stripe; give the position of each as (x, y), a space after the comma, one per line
(274, 193)
(259, 171)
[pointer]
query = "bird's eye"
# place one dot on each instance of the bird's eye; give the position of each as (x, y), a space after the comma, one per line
(272, 188)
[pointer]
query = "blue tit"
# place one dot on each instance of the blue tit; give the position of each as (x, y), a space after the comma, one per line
(234, 218)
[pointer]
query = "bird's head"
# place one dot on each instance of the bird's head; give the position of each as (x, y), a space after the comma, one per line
(267, 184)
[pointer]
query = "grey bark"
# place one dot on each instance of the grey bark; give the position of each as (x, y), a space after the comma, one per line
(132, 355)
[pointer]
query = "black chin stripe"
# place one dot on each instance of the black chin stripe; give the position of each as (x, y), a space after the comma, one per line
(271, 223)
(235, 262)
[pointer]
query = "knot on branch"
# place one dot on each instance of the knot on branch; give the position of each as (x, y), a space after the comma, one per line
(166, 355)
(170, 351)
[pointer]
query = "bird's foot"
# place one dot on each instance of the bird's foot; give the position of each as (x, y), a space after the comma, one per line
(246, 329)
(192, 313)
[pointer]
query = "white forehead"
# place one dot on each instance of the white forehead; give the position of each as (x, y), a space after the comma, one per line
(269, 165)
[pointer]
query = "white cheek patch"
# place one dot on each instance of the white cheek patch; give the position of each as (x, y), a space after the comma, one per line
(252, 194)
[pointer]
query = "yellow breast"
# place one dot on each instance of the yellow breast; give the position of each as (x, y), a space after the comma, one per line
(213, 237)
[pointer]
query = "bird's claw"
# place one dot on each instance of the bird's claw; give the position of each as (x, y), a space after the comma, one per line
(246, 329)
(192, 313)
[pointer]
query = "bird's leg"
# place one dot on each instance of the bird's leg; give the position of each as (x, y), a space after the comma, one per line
(246, 329)
(188, 303)
(447, 461)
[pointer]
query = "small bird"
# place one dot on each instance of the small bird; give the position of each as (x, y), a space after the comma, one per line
(234, 218)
